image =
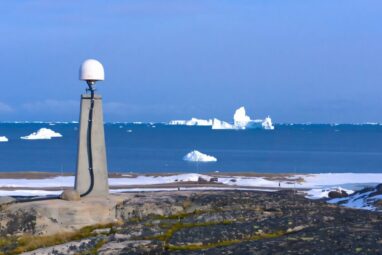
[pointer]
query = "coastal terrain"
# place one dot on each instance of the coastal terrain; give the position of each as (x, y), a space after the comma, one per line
(191, 214)
(189, 222)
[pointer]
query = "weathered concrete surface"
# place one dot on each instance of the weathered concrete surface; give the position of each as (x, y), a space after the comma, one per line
(101, 187)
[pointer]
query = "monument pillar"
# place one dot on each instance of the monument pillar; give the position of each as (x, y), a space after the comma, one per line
(95, 151)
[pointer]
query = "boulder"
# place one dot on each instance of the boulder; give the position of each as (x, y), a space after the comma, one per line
(6, 200)
(214, 179)
(70, 195)
(201, 180)
(337, 194)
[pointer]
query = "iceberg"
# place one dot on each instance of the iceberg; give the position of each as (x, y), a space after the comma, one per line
(240, 121)
(192, 122)
(267, 123)
(197, 156)
(219, 124)
(240, 118)
(3, 139)
(42, 133)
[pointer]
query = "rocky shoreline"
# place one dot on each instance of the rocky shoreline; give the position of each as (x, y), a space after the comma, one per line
(190, 222)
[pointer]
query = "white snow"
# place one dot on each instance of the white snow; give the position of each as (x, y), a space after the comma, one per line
(317, 185)
(3, 139)
(197, 156)
(42, 133)
(324, 192)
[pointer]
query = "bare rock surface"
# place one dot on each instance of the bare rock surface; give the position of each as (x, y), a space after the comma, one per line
(209, 222)
(70, 248)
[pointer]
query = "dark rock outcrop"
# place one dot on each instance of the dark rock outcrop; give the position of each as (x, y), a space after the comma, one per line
(337, 194)
(232, 222)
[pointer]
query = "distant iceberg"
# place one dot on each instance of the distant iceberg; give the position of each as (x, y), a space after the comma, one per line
(42, 133)
(3, 139)
(219, 124)
(240, 118)
(197, 156)
(240, 121)
(192, 122)
(267, 123)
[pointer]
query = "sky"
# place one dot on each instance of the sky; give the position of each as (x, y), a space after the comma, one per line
(298, 61)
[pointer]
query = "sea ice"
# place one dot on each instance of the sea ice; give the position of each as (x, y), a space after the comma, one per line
(197, 156)
(3, 139)
(42, 133)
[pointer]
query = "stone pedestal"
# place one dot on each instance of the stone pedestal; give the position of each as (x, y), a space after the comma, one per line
(82, 183)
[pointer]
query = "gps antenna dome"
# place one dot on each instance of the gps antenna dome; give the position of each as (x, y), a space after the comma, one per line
(91, 71)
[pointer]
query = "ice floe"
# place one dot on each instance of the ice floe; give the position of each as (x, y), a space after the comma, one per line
(42, 133)
(3, 139)
(197, 156)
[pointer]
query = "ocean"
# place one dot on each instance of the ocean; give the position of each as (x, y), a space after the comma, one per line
(153, 148)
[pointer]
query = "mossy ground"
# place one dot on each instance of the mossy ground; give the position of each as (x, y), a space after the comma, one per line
(17, 245)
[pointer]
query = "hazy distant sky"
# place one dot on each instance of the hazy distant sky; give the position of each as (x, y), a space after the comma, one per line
(297, 61)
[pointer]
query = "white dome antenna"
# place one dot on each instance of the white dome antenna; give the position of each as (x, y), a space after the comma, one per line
(91, 71)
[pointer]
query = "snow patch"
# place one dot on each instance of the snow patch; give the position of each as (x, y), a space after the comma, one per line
(42, 133)
(197, 156)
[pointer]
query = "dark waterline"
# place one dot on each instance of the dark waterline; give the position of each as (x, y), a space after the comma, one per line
(152, 148)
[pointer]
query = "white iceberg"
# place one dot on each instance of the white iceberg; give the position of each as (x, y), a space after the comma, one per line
(3, 139)
(267, 123)
(240, 118)
(240, 121)
(197, 156)
(192, 122)
(42, 133)
(219, 124)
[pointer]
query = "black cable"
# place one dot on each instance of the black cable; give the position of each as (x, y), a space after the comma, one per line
(89, 140)
(89, 149)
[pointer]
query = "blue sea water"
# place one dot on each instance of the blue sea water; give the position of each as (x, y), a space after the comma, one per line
(150, 148)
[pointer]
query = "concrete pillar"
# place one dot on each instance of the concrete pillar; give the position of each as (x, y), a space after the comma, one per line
(82, 183)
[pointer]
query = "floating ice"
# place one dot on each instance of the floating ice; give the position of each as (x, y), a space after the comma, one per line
(3, 139)
(267, 124)
(197, 156)
(240, 118)
(42, 133)
(192, 122)
(219, 124)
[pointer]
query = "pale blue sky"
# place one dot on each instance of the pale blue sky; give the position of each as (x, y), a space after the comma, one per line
(297, 61)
